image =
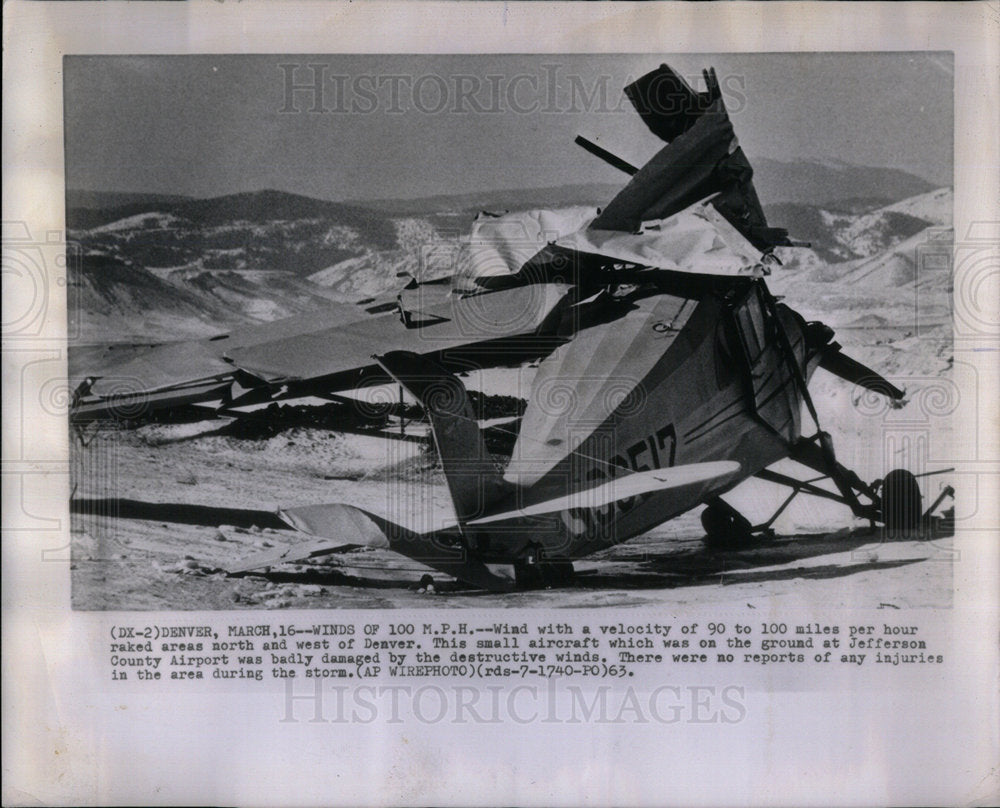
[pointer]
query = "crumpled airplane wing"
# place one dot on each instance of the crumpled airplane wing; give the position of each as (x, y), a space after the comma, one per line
(500, 315)
(334, 344)
(698, 239)
(171, 364)
(142, 372)
(692, 208)
(94, 361)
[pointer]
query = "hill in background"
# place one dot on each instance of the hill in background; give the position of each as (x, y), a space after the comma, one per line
(164, 267)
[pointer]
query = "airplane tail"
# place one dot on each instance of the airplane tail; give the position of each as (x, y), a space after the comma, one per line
(474, 481)
(474, 478)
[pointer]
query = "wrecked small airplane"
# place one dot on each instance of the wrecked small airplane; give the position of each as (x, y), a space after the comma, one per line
(669, 373)
(523, 283)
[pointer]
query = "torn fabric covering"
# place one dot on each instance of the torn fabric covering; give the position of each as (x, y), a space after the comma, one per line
(697, 239)
(501, 245)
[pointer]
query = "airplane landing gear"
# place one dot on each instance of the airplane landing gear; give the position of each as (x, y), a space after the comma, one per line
(533, 573)
(725, 527)
(894, 501)
(901, 502)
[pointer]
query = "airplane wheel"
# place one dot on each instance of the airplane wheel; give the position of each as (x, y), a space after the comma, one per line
(900, 502)
(725, 528)
(557, 573)
(528, 576)
(542, 574)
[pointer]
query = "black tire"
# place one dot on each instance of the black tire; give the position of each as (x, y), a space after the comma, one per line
(527, 576)
(901, 502)
(557, 573)
(725, 529)
(543, 574)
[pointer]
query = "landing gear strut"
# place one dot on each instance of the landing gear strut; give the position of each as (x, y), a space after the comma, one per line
(894, 501)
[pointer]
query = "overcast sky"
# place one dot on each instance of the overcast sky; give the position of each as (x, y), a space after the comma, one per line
(407, 126)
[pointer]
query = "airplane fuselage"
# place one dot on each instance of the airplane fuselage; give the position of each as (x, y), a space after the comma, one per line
(725, 388)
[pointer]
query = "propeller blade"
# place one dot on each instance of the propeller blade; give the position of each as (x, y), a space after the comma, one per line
(851, 370)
